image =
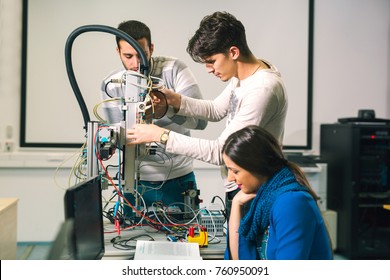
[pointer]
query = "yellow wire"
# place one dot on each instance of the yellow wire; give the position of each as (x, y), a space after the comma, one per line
(96, 107)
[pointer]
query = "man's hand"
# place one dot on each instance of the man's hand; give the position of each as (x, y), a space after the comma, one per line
(173, 98)
(144, 133)
(158, 106)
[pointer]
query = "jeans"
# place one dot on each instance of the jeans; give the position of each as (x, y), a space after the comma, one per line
(167, 192)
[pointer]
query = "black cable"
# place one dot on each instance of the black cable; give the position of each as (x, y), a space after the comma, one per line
(123, 244)
(144, 67)
(224, 211)
(161, 96)
(217, 196)
(105, 89)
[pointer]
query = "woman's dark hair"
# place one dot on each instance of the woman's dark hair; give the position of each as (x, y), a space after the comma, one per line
(216, 34)
(256, 150)
(136, 29)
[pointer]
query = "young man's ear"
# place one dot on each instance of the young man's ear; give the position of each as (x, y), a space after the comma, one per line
(151, 49)
(234, 52)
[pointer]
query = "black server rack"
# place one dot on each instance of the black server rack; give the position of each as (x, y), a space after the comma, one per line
(358, 158)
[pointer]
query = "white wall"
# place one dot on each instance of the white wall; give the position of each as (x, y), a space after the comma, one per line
(286, 45)
(351, 72)
(10, 65)
(351, 60)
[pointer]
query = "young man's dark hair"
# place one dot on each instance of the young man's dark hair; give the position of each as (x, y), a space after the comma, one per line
(136, 29)
(216, 34)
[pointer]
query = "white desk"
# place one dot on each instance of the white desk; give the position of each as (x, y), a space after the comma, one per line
(214, 251)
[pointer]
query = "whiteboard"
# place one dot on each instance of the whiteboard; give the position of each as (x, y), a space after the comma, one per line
(277, 30)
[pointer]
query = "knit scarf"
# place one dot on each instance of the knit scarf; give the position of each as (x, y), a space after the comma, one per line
(256, 221)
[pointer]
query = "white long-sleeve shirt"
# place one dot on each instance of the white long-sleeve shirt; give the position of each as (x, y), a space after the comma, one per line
(259, 100)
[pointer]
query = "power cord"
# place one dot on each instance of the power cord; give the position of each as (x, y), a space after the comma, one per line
(124, 244)
(224, 210)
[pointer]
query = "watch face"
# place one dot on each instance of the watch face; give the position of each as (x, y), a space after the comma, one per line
(164, 137)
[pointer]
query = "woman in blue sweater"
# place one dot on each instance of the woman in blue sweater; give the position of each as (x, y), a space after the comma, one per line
(275, 214)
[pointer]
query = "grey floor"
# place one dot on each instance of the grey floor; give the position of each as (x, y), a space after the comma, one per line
(33, 251)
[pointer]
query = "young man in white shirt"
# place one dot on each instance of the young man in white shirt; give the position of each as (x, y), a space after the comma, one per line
(255, 93)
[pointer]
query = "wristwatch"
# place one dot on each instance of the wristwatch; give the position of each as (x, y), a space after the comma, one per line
(164, 137)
